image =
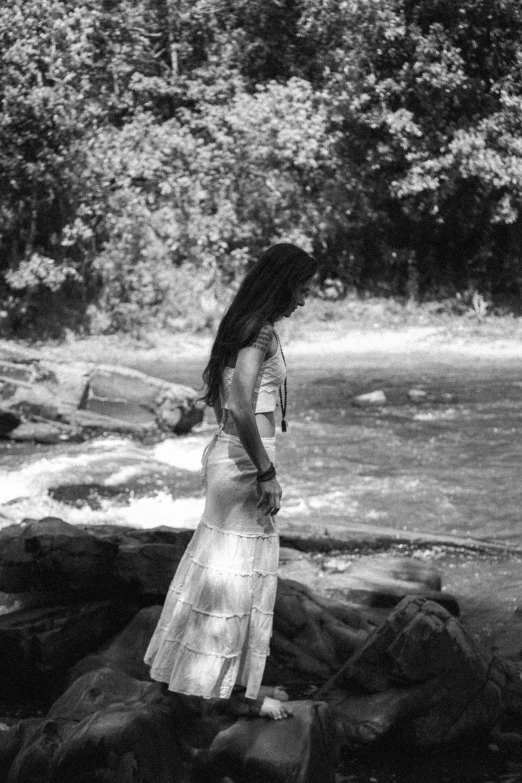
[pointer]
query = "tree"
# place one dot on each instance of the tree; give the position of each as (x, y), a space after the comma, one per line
(424, 98)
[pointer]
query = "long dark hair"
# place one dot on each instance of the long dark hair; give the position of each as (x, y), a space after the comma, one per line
(264, 296)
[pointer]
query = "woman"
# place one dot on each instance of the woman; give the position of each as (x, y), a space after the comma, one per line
(213, 635)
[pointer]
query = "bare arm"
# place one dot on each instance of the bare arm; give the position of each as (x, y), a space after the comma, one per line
(248, 365)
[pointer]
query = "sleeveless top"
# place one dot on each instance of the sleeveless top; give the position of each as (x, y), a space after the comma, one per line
(271, 376)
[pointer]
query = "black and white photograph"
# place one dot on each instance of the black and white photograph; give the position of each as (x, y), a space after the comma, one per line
(260, 391)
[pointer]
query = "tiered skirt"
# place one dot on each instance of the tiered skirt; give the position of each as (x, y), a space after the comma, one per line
(215, 626)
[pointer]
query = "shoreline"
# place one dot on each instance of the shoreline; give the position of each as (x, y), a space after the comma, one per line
(433, 343)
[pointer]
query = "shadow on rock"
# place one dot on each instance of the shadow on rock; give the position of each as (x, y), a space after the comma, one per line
(422, 677)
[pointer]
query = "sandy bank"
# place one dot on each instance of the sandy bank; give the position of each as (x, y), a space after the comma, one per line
(488, 341)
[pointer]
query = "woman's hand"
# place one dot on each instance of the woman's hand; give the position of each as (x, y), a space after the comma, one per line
(270, 494)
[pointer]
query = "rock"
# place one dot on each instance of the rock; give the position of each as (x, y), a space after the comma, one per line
(363, 719)
(92, 423)
(289, 555)
(309, 642)
(42, 432)
(507, 675)
(131, 395)
(14, 602)
(24, 371)
(148, 569)
(169, 404)
(88, 398)
(12, 740)
(126, 651)
(350, 616)
(285, 655)
(509, 743)
(178, 537)
(99, 689)
(146, 559)
(15, 563)
(71, 380)
(169, 418)
(302, 567)
(8, 422)
(377, 397)
(290, 616)
(384, 581)
(39, 644)
(91, 494)
(419, 674)
(312, 636)
(417, 395)
(33, 400)
(126, 385)
(107, 726)
(52, 555)
(301, 749)
(121, 411)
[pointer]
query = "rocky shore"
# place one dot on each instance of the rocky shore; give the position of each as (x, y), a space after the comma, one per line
(391, 661)
(44, 401)
(383, 660)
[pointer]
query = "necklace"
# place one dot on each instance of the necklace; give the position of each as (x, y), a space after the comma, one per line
(283, 401)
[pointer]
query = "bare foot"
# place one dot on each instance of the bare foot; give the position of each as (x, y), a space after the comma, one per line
(275, 692)
(274, 709)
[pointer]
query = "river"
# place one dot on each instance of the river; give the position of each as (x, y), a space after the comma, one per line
(447, 465)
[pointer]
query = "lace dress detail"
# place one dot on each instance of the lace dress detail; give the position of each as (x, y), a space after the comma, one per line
(216, 623)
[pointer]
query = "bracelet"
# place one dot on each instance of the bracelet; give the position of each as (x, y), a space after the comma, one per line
(268, 475)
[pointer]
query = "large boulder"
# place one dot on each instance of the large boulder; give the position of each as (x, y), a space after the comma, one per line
(383, 581)
(31, 409)
(47, 401)
(126, 650)
(419, 675)
(24, 369)
(12, 739)
(106, 726)
(39, 644)
(37, 389)
(311, 640)
(109, 726)
(33, 400)
(45, 432)
(144, 401)
(312, 635)
(52, 555)
(147, 568)
(301, 749)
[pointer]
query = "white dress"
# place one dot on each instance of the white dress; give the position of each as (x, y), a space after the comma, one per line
(215, 626)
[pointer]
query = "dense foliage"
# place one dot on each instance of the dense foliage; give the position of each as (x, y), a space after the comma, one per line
(150, 148)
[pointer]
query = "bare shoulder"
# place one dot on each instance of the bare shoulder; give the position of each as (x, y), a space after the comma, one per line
(263, 339)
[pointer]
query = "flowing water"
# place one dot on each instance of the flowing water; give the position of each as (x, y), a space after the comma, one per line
(448, 466)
